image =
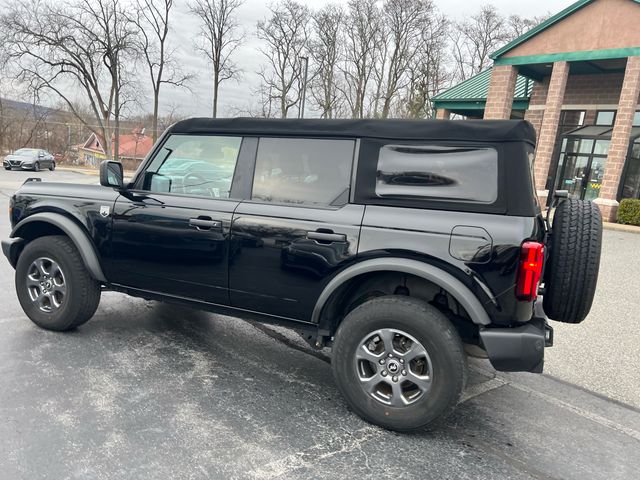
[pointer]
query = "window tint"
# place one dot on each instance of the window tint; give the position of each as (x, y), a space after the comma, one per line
(303, 171)
(200, 165)
(447, 173)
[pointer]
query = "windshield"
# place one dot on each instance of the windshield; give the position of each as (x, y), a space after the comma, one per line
(26, 152)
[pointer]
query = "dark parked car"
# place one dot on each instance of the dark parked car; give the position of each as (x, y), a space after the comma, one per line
(396, 243)
(29, 159)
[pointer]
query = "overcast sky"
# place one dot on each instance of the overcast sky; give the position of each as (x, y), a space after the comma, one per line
(238, 95)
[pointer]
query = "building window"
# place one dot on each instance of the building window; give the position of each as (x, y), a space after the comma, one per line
(571, 119)
(636, 119)
(605, 117)
(631, 183)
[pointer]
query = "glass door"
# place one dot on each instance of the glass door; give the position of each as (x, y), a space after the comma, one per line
(581, 166)
(596, 174)
(573, 175)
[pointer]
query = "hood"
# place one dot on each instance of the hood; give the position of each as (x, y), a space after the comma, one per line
(18, 157)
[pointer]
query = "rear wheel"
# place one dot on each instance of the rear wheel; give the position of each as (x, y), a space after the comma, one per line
(54, 288)
(574, 261)
(52, 167)
(399, 363)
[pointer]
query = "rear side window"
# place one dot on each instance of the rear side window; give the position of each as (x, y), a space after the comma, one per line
(467, 174)
(303, 171)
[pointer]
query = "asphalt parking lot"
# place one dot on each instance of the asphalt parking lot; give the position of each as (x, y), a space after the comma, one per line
(148, 390)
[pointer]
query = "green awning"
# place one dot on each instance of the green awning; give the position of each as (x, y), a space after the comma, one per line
(471, 95)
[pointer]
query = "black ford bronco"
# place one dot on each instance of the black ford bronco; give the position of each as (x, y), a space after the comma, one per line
(400, 244)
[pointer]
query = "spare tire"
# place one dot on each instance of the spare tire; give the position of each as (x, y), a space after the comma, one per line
(573, 261)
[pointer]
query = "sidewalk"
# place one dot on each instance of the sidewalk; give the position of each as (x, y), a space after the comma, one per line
(620, 227)
(87, 170)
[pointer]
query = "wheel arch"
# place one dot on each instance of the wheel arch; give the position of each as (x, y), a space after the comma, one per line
(431, 273)
(49, 223)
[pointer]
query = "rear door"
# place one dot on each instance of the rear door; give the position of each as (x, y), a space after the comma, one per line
(297, 230)
(171, 231)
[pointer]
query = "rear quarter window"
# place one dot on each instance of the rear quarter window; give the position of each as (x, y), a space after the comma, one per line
(446, 173)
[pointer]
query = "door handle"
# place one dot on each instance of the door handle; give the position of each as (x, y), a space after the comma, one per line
(326, 237)
(204, 223)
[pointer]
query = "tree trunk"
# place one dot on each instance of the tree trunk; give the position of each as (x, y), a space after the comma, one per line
(156, 101)
(216, 84)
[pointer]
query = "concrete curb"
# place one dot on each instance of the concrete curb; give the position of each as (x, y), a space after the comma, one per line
(620, 227)
(87, 171)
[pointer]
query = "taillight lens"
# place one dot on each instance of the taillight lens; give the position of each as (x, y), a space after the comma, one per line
(529, 271)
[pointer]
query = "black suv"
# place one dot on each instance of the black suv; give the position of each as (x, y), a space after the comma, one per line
(393, 242)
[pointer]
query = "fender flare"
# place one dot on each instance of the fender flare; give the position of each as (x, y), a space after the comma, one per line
(78, 236)
(445, 280)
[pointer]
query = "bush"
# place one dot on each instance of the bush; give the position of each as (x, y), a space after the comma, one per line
(629, 211)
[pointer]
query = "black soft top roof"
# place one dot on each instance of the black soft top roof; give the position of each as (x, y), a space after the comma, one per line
(474, 130)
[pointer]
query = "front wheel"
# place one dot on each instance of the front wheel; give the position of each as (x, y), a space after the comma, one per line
(36, 167)
(399, 363)
(54, 287)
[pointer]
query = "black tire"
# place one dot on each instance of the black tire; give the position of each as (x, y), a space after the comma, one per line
(52, 167)
(7, 168)
(36, 167)
(82, 292)
(429, 327)
(571, 274)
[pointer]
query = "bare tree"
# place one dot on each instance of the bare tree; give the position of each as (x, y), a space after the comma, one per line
(404, 21)
(152, 18)
(361, 49)
(475, 39)
(219, 39)
(84, 43)
(285, 34)
(518, 25)
(429, 72)
(325, 52)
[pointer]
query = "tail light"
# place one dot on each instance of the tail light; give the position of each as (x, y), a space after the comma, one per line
(529, 271)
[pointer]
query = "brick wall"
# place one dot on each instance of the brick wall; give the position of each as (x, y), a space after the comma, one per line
(443, 114)
(500, 94)
(551, 116)
(627, 105)
(583, 90)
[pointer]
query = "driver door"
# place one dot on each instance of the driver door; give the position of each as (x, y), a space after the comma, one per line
(171, 230)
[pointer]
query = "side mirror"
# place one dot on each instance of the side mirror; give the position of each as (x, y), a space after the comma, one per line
(112, 175)
(40, 155)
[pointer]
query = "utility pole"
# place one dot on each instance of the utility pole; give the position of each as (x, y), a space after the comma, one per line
(304, 86)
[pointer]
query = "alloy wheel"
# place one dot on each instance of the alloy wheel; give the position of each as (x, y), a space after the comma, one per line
(393, 367)
(46, 284)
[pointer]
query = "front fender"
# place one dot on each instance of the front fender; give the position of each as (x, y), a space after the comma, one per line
(448, 282)
(77, 235)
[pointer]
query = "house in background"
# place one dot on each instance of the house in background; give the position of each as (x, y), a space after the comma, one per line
(576, 78)
(133, 149)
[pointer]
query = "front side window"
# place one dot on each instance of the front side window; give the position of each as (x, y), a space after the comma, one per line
(200, 165)
(303, 171)
(442, 173)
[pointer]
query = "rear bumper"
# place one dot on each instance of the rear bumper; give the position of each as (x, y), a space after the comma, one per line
(11, 248)
(518, 349)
